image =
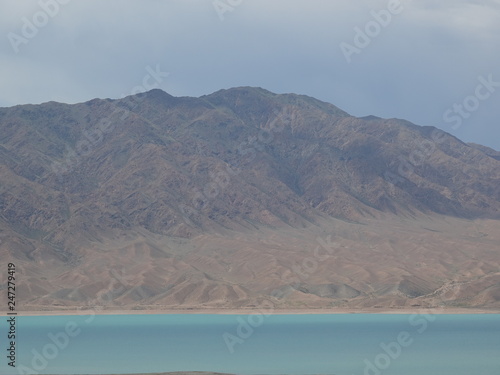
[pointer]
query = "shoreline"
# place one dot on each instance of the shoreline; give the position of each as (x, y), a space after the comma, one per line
(252, 311)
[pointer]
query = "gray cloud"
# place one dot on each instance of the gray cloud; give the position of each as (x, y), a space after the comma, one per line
(428, 57)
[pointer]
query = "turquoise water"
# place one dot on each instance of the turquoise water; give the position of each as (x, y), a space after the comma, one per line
(277, 344)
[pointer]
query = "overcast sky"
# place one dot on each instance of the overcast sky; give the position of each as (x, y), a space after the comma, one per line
(430, 62)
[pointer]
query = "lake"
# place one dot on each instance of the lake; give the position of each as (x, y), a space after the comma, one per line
(255, 344)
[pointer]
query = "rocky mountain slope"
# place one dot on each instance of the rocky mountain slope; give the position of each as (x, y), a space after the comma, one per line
(90, 188)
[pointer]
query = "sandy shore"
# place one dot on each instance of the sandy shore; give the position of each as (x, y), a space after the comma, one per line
(251, 311)
(178, 373)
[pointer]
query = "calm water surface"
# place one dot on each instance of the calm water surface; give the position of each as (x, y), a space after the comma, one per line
(278, 344)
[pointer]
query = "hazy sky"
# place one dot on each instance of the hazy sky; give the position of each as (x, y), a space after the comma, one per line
(430, 62)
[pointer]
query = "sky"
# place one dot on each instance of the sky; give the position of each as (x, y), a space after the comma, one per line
(430, 62)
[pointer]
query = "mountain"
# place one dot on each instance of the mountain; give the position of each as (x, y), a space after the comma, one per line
(208, 201)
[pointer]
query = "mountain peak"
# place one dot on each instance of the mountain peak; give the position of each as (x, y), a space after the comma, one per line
(257, 96)
(157, 95)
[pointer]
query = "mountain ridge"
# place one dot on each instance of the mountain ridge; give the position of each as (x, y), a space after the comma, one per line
(239, 161)
(351, 152)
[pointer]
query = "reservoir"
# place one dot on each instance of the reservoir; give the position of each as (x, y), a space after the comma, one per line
(341, 344)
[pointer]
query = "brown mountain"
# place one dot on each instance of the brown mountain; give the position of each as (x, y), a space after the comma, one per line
(213, 201)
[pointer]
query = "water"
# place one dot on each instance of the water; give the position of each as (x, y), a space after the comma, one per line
(277, 344)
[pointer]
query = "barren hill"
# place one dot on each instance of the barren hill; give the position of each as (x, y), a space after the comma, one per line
(222, 201)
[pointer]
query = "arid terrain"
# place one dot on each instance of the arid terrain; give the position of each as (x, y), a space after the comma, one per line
(243, 199)
(383, 264)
